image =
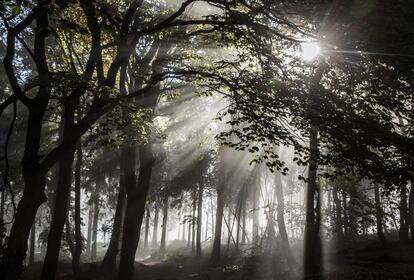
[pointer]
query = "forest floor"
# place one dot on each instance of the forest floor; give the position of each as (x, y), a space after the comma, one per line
(391, 263)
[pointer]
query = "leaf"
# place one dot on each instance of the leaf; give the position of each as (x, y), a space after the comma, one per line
(15, 10)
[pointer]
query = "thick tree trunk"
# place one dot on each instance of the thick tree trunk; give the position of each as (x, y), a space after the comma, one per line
(379, 215)
(33, 196)
(404, 216)
(136, 199)
(77, 219)
(312, 242)
(59, 215)
(164, 225)
(108, 266)
(281, 221)
(155, 230)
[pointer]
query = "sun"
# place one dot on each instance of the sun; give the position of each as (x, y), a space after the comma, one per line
(310, 50)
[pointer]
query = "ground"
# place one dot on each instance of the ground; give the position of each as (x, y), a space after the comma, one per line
(391, 263)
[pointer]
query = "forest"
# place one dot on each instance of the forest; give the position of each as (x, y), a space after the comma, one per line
(219, 139)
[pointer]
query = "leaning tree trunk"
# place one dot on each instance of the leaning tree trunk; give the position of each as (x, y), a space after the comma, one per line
(77, 219)
(59, 216)
(379, 215)
(108, 266)
(136, 199)
(34, 174)
(281, 221)
(34, 177)
(32, 243)
(164, 225)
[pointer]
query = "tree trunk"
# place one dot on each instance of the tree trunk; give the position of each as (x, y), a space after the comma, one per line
(32, 243)
(59, 215)
(189, 232)
(183, 232)
(338, 216)
(135, 209)
(281, 221)
(312, 242)
(68, 236)
(2, 204)
(33, 196)
(255, 211)
(411, 210)
(206, 228)
(164, 225)
(379, 215)
(147, 221)
(193, 222)
(155, 230)
(77, 219)
(404, 217)
(199, 215)
(89, 233)
(100, 180)
(199, 221)
(346, 214)
(108, 267)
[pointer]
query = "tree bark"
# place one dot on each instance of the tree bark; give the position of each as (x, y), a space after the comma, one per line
(281, 221)
(255, 224)
(89, 233)
(108, 266)
(404, 216)
(34, 177)
(99, 182)
(77, 219)
(379, 215)
(312, 242)
(411, 210)
(164, 225)
(32, 243)
(33, 173)
(193, 222)
(338, 216)
(136, 199)
(147, 221)
(155, 230)
(59, 215)
(199, 218)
